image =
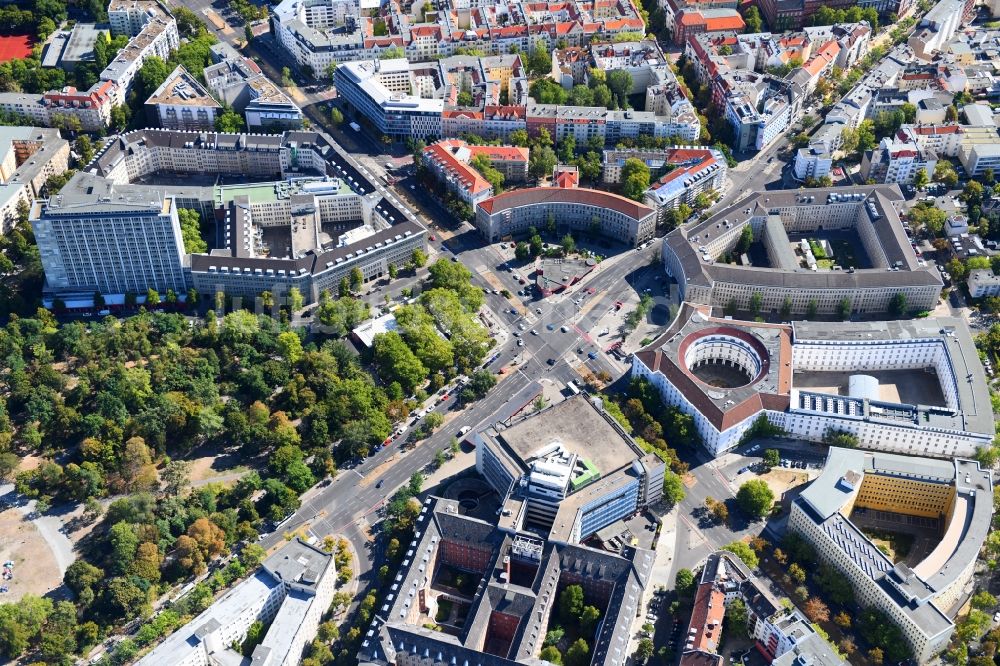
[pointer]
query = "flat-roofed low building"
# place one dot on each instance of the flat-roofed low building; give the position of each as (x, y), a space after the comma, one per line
(953, 496)
(182, 103)
(69, 48)
(569, 470)
(366, 332)
(289, 594)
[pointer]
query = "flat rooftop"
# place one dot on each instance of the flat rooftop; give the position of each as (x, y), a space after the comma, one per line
(968, 526)
(974, 409)
(80, 46)
(182, 89)
(579, 427)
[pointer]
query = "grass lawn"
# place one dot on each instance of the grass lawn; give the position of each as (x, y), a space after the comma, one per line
(895, 545)
(464, 582)
(443, 611)
(824, 264)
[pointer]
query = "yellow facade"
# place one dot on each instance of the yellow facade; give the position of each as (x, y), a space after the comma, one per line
(907, 496)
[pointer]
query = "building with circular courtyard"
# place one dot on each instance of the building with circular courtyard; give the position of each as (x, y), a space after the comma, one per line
(914, 387)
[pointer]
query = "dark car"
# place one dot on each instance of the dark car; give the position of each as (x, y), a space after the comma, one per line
(380, 482)
(551, 361)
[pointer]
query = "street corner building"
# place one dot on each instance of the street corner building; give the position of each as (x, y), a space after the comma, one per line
(567, 471)
(914, 387)
(579, 209)
(781, 633)
(946, 505)
(503, 618)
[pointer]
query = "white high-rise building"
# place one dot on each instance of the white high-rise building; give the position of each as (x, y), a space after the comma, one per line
(114, 244)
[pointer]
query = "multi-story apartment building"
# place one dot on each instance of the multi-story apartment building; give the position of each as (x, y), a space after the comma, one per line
(696, 255)
(898, 159)
(28, 156)
(776, 630)
(512, 213)
(182, 103)
(727, 374)
(759, 107)
(239, 82)
(317, 36)
(938, 26)
(983, 282)
(158, 37)
(90, 110)
(288, 594)
(555, 477)
(711, 21)
(955, 496)
(449, 161)
(814, 161)
(419, 100)
(153, 31)
(689, 172)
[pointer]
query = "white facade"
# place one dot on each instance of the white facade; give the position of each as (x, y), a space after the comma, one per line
(290, 592)
(983, 282)
(112, 247)
(884, 426)
(812, 163)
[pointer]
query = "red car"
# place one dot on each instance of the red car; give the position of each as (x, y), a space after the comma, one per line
(432, 237)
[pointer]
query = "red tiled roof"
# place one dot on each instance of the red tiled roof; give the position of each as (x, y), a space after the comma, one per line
(706, 618)
(462, 113)
(425, 30)
(938, 129)
(827, 54)
(441, 153)
(566, 178)
(505, 111)
(501, 153)
(697, 159)
(540, 195)
(654, 358)
(712, 23)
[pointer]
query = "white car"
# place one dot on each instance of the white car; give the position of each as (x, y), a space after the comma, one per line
(520, 342)
(464, 430)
